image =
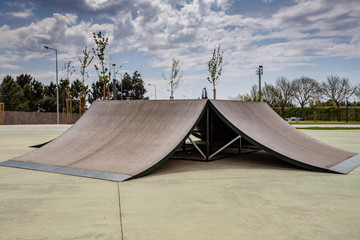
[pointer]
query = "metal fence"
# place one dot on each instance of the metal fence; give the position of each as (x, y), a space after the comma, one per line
(322, 113)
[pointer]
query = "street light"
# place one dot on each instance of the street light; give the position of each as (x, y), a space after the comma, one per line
(121, 85)
(57, 85)
(347, 109)
(155, 88)
(114, 81)
(260, 72)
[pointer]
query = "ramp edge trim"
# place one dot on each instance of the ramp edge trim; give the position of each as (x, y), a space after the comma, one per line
(347, 166)
(117, 177)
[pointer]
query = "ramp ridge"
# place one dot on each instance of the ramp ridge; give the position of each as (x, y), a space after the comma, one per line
(170, 154)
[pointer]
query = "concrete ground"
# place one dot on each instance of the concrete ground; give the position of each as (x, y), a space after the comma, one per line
(254, 196)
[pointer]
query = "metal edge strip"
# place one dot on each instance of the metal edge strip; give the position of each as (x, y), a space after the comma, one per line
(117, 177)
(348, 165)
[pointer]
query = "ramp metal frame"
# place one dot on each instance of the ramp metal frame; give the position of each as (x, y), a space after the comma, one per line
(208, 155)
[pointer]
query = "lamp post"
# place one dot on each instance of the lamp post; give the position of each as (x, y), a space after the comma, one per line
(260, 72)
(155, 88)
(121, 85)
(57, 85)
(114, 81)
(347, 110)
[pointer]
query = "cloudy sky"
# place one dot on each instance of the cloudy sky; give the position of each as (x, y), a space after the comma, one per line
(290, 38)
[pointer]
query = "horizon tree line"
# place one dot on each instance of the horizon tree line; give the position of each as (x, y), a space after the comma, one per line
(304, 91)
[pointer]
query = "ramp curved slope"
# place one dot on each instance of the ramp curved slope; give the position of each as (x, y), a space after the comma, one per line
(116, 140)
(259, 124)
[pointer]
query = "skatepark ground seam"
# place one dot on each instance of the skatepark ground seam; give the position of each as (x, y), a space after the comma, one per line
(120, 215)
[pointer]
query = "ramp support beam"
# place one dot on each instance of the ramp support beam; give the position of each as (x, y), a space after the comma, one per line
(225, 146)
(207, 134)
(207, 157)
(197, 148)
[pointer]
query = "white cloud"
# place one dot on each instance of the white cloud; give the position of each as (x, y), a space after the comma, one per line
(161, 30)
(23, 14)
(10, 66)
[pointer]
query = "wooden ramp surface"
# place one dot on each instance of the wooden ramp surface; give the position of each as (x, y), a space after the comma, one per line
(117, 140)
(259, 124)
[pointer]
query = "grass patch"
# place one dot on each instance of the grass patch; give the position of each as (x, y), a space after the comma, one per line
(324, 123)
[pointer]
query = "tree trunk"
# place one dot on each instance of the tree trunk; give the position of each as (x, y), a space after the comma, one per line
(214, 93)
(338, 112)
(104, 98)
(302, 112)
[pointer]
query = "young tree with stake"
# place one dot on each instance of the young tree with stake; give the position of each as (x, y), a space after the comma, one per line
(175, 77)
(215, 67)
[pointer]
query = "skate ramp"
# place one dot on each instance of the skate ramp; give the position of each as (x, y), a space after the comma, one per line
(260, 125)
(117, 140)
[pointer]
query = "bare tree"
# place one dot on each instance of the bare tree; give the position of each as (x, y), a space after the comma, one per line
(269, 94)
(254, 93)
(84, 63)
(68, 69)
(282, 93)
(305, 90)
(240, 97)
(338, 90)
(99, 53)
(215, 67)
(357, 91)
(175, 77)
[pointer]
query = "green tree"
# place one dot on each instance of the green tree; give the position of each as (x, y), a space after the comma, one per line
(138, 88)
(12, 95)
(133, 87)
(338, 90)
(32, 91)
(175, 77)
(77, 88)
(96, 91)
(99, 52)
(23, 79)
(215, 67)
(305, 90)
(48, 102)
(126, 87)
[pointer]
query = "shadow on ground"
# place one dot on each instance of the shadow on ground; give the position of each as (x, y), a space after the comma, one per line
(260, 160)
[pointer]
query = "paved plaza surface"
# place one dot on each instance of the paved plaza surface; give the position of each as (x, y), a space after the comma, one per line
(254, 196)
